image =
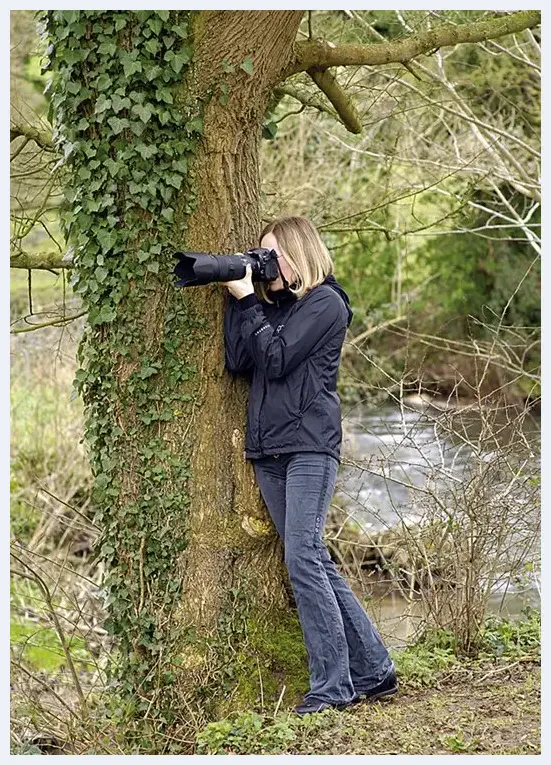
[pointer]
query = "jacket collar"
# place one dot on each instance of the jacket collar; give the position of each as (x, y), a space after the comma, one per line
(282, 296)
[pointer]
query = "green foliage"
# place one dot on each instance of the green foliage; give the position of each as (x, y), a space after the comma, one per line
(420, 665)
(126, 135)
(274, 655)
(39, 647)
(457, 744)
(477, 276)
(253, 733)
(508, 638)
(25, 749)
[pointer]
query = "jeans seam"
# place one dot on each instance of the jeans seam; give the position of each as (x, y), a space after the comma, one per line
(350, 621)
(343, 648)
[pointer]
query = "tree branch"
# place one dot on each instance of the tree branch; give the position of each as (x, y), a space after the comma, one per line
(60, 321)
(320, 54)
(346, 110)
(303, 98)
(40, 137)
(40, 260)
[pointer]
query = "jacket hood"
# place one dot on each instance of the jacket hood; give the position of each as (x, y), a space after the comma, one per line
(282, 296)
(332, 282)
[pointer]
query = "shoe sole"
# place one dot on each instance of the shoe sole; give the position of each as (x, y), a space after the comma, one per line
(377, 696)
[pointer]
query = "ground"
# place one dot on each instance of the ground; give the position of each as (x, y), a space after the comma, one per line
(490, 708)
(497, 714)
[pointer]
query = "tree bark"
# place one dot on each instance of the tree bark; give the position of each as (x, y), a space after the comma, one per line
(232, 542)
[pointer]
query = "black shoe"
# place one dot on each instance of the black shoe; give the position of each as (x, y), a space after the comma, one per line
(307, 707)
(388, 687)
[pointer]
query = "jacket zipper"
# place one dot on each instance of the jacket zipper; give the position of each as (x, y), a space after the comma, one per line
(259, 413)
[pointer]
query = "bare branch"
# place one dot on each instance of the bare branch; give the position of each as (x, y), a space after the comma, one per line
(61, 321)
(318, 53)
(44, 261)
(41, 137)
(304, 98)
(346, 110)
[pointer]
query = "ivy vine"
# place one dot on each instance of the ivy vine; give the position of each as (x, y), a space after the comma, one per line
(127, 134)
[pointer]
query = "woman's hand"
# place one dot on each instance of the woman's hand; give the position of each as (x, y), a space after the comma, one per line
(241, 287)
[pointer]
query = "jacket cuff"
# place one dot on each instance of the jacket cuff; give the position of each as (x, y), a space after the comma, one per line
(248, 301)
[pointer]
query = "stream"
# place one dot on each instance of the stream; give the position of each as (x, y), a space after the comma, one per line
(391, 455)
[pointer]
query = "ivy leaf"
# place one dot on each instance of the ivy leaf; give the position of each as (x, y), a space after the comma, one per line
(152, 46)
(107, 48)
(113, 166)
(164, 15)
(155, 25)
(181, 58)
(168, 214)
(153, 267)
(143, 112)
(180, 165)
(91, 205)
(101, 274)
(130, 63)
(102, 104)
(103, 82)
(106, 315)
(147, 372)
(247, 66)
(153, 72)
(137, 127)
(69, 17)
(119, 103)
(137, 97)
(180, 30)
(70, 194)
(227, 67)
(106, 238)
(117, 125)
(146, 151)
(195, 125)
(164, 94)
(174, 180)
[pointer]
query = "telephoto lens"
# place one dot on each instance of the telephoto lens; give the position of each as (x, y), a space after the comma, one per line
(197, 268)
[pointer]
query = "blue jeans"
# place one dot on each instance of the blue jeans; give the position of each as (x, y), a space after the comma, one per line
(346, 655)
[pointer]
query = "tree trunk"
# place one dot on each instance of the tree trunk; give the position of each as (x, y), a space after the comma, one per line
(232, 541)
(195, 575)
(232, 566)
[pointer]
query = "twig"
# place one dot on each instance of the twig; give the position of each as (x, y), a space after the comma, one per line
(279, 700)
(261, 688)
(496, 671)
(53, 323)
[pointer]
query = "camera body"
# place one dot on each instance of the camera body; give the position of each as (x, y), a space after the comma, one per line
(196, 268)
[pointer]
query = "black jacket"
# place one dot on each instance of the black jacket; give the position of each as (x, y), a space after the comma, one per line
(292, 350)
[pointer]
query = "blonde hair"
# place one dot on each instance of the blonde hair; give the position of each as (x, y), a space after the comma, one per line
(305, 252)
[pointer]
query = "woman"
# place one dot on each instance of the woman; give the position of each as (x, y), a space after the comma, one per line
(289, 334)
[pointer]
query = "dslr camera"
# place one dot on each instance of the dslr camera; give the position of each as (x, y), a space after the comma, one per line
(195, 268)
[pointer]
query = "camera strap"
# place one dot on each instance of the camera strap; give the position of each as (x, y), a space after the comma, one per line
(284, 280)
